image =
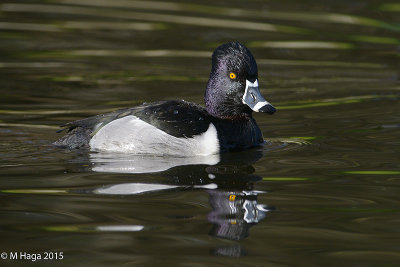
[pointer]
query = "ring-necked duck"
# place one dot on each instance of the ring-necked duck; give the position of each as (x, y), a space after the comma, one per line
(182, 128)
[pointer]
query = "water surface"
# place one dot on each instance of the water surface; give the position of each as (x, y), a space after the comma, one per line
(324, 190)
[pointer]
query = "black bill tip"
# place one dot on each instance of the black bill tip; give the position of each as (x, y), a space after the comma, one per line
(270, 109)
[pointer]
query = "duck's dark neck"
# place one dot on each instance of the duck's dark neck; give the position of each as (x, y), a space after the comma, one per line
(226, 109)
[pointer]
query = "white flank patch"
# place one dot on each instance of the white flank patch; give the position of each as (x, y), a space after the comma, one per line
(132, 135)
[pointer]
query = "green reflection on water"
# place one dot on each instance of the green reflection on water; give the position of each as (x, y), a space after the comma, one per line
(98, 25)
(128, 77)
(50, 112)
(119, 53)
(285, 179)
(319, 63)
(67, 228)
(353, 209)
(318, 104)
(302, 45)
(24, 125)
(375, 39)
(391, 7)
(28, 27)
(374, 172)
(307, 138)
(34, 191)
(81, 25)
(331, 102)
(35, 65)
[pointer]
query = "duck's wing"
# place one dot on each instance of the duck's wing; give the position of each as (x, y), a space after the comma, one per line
(177, 118)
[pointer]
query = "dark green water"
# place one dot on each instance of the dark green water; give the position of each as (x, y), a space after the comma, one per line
(324, 190)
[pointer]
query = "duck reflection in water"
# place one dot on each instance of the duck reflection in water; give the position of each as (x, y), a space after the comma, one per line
(228, 178)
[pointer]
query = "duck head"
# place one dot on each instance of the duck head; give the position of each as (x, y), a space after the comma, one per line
(232, 89)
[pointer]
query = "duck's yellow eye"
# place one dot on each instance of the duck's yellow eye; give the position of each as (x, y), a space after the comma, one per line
(232, 75)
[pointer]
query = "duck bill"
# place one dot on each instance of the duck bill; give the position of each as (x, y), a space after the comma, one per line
(253, 98)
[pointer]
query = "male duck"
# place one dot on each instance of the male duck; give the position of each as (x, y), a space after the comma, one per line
(182, 128)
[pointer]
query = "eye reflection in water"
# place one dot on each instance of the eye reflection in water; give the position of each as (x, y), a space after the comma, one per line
(234, 212)
(227, 178)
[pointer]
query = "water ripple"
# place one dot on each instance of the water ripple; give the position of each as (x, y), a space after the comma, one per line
(321, 17)
(177, 19)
